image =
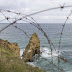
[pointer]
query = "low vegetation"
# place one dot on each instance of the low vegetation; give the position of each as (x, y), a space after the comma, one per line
(10, 62)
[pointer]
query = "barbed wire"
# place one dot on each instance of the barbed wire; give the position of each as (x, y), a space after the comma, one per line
(36, 25)
(33, 22)
(15, 26)
(63, 28)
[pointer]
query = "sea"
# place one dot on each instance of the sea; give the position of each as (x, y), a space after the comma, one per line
(53, 30)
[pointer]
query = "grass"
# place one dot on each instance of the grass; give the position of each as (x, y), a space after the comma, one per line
(9, 62)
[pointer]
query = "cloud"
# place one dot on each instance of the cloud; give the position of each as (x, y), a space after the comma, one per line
(25, 10)
(31, 6)
(52, 17)
(5, 4)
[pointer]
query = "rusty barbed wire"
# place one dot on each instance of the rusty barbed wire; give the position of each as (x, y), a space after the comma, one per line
(60, 7)
(36, 25)
(60, 40)
(52, 64)
(36, 13)
(32, 21)
(16, 26)
(63, 28)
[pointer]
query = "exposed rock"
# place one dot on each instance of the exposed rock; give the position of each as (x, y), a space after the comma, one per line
(13, 46)
(32, 48)
(9, 62)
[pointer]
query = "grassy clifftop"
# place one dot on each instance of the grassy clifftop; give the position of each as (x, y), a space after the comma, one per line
(10, 62)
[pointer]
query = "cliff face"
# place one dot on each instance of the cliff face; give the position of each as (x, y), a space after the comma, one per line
(32, 48)
(13, 46)
(10, 62)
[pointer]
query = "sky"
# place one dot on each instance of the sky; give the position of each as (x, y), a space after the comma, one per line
(31, 6)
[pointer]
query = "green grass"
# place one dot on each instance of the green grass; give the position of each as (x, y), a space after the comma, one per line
(9, 62)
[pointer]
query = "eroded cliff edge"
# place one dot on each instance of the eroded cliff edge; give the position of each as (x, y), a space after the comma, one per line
(10, 60)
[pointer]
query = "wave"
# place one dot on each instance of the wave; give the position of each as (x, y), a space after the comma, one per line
(46, 52)
(21, 52)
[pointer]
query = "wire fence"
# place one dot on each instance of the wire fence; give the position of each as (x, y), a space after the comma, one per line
(32, 21)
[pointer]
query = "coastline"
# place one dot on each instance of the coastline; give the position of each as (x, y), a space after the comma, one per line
(10, 62)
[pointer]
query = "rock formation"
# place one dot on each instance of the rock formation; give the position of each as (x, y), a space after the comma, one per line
(13, 46)
(10, 62)
(32, 48)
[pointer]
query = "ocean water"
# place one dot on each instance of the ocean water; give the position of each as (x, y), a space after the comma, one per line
(53, 31)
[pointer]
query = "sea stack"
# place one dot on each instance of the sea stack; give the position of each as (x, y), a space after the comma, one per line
(32, 48)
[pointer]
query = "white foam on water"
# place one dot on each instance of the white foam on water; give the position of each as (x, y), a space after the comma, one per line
(32, 64)
(46, 52)
(21, 52)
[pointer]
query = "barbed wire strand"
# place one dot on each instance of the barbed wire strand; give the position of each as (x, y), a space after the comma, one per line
(10, 22)
(63, 28)
(60, 7)
(16, 26)
(52, 63)
(38, 26)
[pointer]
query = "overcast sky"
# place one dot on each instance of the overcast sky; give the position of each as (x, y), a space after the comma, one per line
(31, 6)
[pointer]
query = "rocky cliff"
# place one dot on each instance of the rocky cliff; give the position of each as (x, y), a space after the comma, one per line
(13, 46)
(9, 60)
(32, 48)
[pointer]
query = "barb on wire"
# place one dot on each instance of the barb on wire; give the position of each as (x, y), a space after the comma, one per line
(33, 22)
(63, 29)
(34, 14)
(37, 25)
(52, 64)
(22, 31)
(60, 7)
(15, 26)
